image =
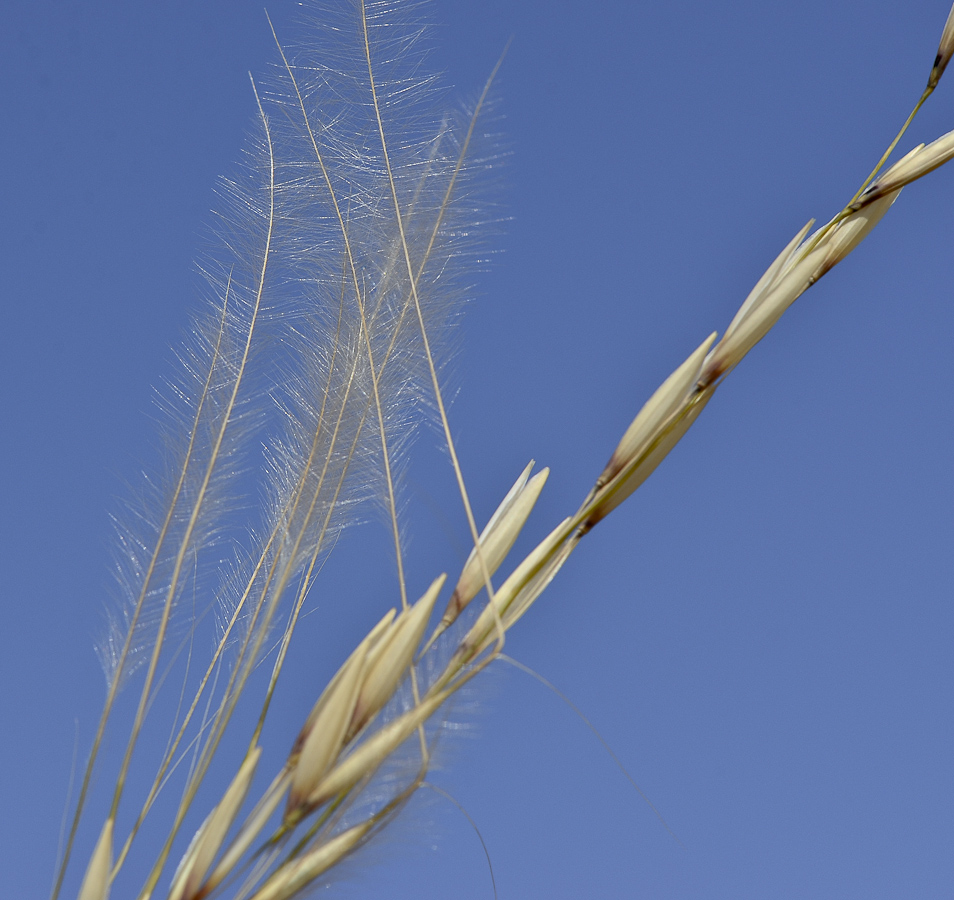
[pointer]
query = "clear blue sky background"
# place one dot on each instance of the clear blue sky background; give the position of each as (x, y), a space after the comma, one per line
(763, 633)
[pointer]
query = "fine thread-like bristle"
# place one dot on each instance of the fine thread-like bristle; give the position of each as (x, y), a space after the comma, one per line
(313, 267)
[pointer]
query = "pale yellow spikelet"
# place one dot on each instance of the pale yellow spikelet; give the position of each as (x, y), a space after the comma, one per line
(288, 881)
(369, 755)
(944, 51)
(772, 274)
(527, 569)
(367, 649)
(96, 881)
(850, 232)
(209, 838)
(535, 586)
(496, 541)
(327, 732)
(385, 672)
(918, 163)
(629, 480)
(727, 354)
(666, 400)
(755, 319)
(483, 631)
(636, 457)
(249, 831)
(326, 729)
(894, 174)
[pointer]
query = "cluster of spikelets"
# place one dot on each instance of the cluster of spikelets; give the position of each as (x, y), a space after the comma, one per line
(391, 211)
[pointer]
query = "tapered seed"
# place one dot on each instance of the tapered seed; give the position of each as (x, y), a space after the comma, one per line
(286, 882)
(628, 481)
(918, 163)
(496, 541)
(209, 838)
(849, 233)
(778, 268)
(727, 354)
(96, 880)
(326, 729)
(668, 397)
(367, 647)
(250, 830)
(484, 629)
(790, 284)
(830, 250)
(384, 674)
(535, 586)
(369, 755)
(892, 174)
(327, 732)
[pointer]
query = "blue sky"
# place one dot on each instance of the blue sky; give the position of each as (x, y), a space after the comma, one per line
(762, 633)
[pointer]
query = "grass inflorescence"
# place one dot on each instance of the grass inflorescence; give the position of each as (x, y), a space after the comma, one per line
(345, 246)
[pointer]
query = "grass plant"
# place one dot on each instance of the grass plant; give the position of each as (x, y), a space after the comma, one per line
(345, 248)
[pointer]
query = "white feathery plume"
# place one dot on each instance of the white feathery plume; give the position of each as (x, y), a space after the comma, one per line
(312, 269)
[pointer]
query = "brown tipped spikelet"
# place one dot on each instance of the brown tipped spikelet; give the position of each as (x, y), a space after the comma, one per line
(326, 732)
(633, 460)
(784, 283)
(496, 541)
(944, 51)
(851, 231)
(666, 400)
(922, 160)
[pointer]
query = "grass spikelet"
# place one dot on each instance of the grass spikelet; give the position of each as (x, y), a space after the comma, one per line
(496, 541)
(95, 884)
(209, 838)
(298, 875)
